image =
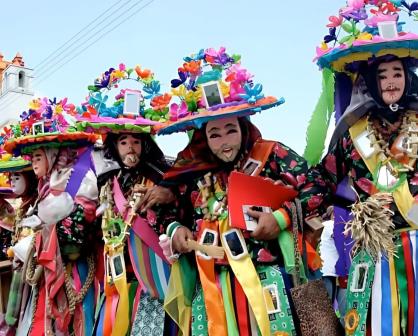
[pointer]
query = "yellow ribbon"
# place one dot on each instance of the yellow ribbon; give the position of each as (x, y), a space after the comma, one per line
(402, 195)
(247, 276)
(394, 295)
(121, 325)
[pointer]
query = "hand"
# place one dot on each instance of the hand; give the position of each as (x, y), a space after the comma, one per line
(156, 195)
(267, 227)
(279, 182)
(179, 240)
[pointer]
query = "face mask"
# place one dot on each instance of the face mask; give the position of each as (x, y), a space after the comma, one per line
(18, 184)
(224, 138)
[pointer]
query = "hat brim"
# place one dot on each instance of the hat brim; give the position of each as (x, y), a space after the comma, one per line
(27, 144)
(338, 58)
(104, 125)
(15, 166)
(197, 120)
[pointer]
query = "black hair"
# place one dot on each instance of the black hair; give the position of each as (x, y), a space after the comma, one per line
(152, 163)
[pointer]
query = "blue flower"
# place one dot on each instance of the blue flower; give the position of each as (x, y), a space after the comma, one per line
(252, 93)
(153, 89)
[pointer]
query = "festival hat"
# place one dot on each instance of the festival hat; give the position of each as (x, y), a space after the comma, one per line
(133, 110)
(47, 123)
(211, 85)
(362, 31)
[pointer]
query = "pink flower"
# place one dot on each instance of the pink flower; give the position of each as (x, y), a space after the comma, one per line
(293, 164)
(380, 17)
(280, 152)
(151, 217)
(414, 180)
(356, 4)
(301, 179)
(335, 21)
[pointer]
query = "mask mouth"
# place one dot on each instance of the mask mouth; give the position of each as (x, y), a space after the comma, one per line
(228, 151)
(131, 158)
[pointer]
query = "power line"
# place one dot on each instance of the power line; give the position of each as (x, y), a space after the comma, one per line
(57, 63)
(11, 98)
(64, 48)
(88, 46)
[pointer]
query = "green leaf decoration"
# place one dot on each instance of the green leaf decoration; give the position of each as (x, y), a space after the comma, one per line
(321, 116)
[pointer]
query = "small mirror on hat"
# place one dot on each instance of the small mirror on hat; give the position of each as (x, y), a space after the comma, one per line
(132, 101)
(388, 29)
(212, 94)
(38, 128)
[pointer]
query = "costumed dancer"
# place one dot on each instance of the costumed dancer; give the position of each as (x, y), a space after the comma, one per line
(371, 162)
(132, 205)
(60, 264)
(22, 194)
(241, 287)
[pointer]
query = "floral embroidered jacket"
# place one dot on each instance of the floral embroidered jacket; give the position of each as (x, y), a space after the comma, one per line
(283, 164)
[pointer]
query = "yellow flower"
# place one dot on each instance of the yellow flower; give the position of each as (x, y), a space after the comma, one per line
(35, 104)
(117, 74)
(324, 46)
(180, 91)
(6, 157)
(58, 109)
(224, 88)
(193, 95)
(4, 183)
(364, 36)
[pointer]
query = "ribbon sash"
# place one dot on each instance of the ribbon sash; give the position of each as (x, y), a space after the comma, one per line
(402, 195)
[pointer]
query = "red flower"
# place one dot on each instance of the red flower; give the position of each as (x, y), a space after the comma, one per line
(330, 164)
(273, 165)
(301, 179)
(366, 185)
(280, 152)
(355, 155)
(314, 202)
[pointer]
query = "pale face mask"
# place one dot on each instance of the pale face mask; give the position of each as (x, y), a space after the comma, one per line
(391, 79)
(39, 163)
(224, 138)
(129, 149)
(18, 183)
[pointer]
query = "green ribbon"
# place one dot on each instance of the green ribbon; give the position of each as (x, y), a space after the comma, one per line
(358, 302)
(402, 283)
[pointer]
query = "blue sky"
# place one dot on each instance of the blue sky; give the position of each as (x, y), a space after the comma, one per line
(276, 39)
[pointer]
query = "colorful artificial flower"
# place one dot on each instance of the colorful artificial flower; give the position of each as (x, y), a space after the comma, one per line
(160, 102)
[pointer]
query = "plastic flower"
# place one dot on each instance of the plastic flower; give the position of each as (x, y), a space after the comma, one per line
(356, 4)
(153, 89)
(143, 74)
(178, 111)
(335, 21)
(35, 104)
(219, 57)
(195, 57)
(252, 93)
(160, 102)
(380, 17)
(364, 36)
(119, 74)
(98, 101)
(192, 67)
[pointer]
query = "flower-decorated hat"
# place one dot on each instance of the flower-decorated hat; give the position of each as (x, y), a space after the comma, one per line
(367, 29)
(361, 32)
(210, 85)
(47, 123)
(12, 164)
(134, 110)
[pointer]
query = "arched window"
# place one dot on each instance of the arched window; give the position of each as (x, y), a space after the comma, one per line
(22, 79)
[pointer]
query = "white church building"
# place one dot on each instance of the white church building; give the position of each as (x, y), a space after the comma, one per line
(15, 88)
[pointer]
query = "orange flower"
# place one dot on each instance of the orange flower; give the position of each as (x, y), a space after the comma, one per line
(160, 102)
(193, 67)
(143, 73)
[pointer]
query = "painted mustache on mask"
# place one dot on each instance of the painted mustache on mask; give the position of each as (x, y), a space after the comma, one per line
(131, 158)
